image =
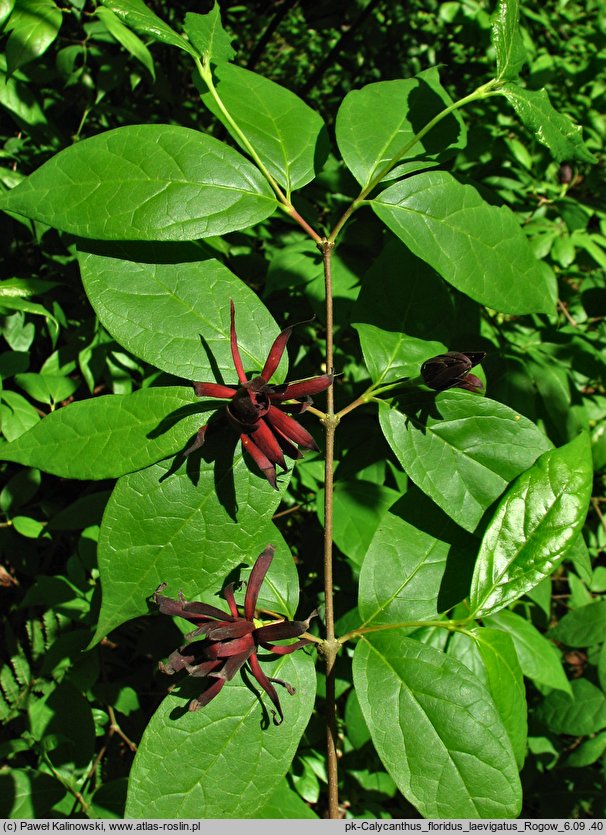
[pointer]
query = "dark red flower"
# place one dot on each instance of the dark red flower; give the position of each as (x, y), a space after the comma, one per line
(258, 409)
(231, 640)
(451, 370)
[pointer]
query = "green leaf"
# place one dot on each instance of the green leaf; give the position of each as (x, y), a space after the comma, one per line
(507, 40)
(460, 449)
(505, 684)
(137, 15)
(407, 574)
(131, 42)
(284, 803)
(533, 525)
(106, 437)
(47, 388)
(207, 34)
(581, 714)
(16, 415)
(189, 529)
(478, 248)
(286, 133)
(588, 752)
(582, 627)
(377, 125)
(402, 309)
(391, 356)
(554, 129)
(6, 9)
(64, 712)
(417, 700)
(25, 793)
(147, 183)
(226, 760)
(538, 657)
(33, 27)
(20, 101)
(176, 316)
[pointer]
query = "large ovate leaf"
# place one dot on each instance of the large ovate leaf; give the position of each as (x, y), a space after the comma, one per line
(376, 126)
(436, 729)
(177, 316)
(138, 16)
(554, 129)
(480, 249)
(209, 37)
(146, 183)
(227, 759)
(285, 132)
(106, 437)
(460, 449)
(532, 527)
(190, 529)
(409, 575)
(507, 40)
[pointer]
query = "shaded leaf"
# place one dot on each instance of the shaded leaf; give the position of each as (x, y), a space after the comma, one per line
(581, 714)
(538, 657)
(376, 126)
(460, 449)
(33, 27)
(582, 627)
(127, 39)
(407, 572)
(359, 507)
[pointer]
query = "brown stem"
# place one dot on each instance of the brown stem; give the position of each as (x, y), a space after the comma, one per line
(331, 646)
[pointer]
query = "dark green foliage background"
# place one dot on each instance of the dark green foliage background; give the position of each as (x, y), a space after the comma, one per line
(90, 707)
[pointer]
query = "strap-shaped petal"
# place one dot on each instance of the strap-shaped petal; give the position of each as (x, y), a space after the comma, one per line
(267, 443)
(257, 575)
(228, 630)
(213, 390)
(235, 353)
(275, 354)
(260, 459)
(223, 649)
(266, 685)
(290, 429)
(304, 388)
